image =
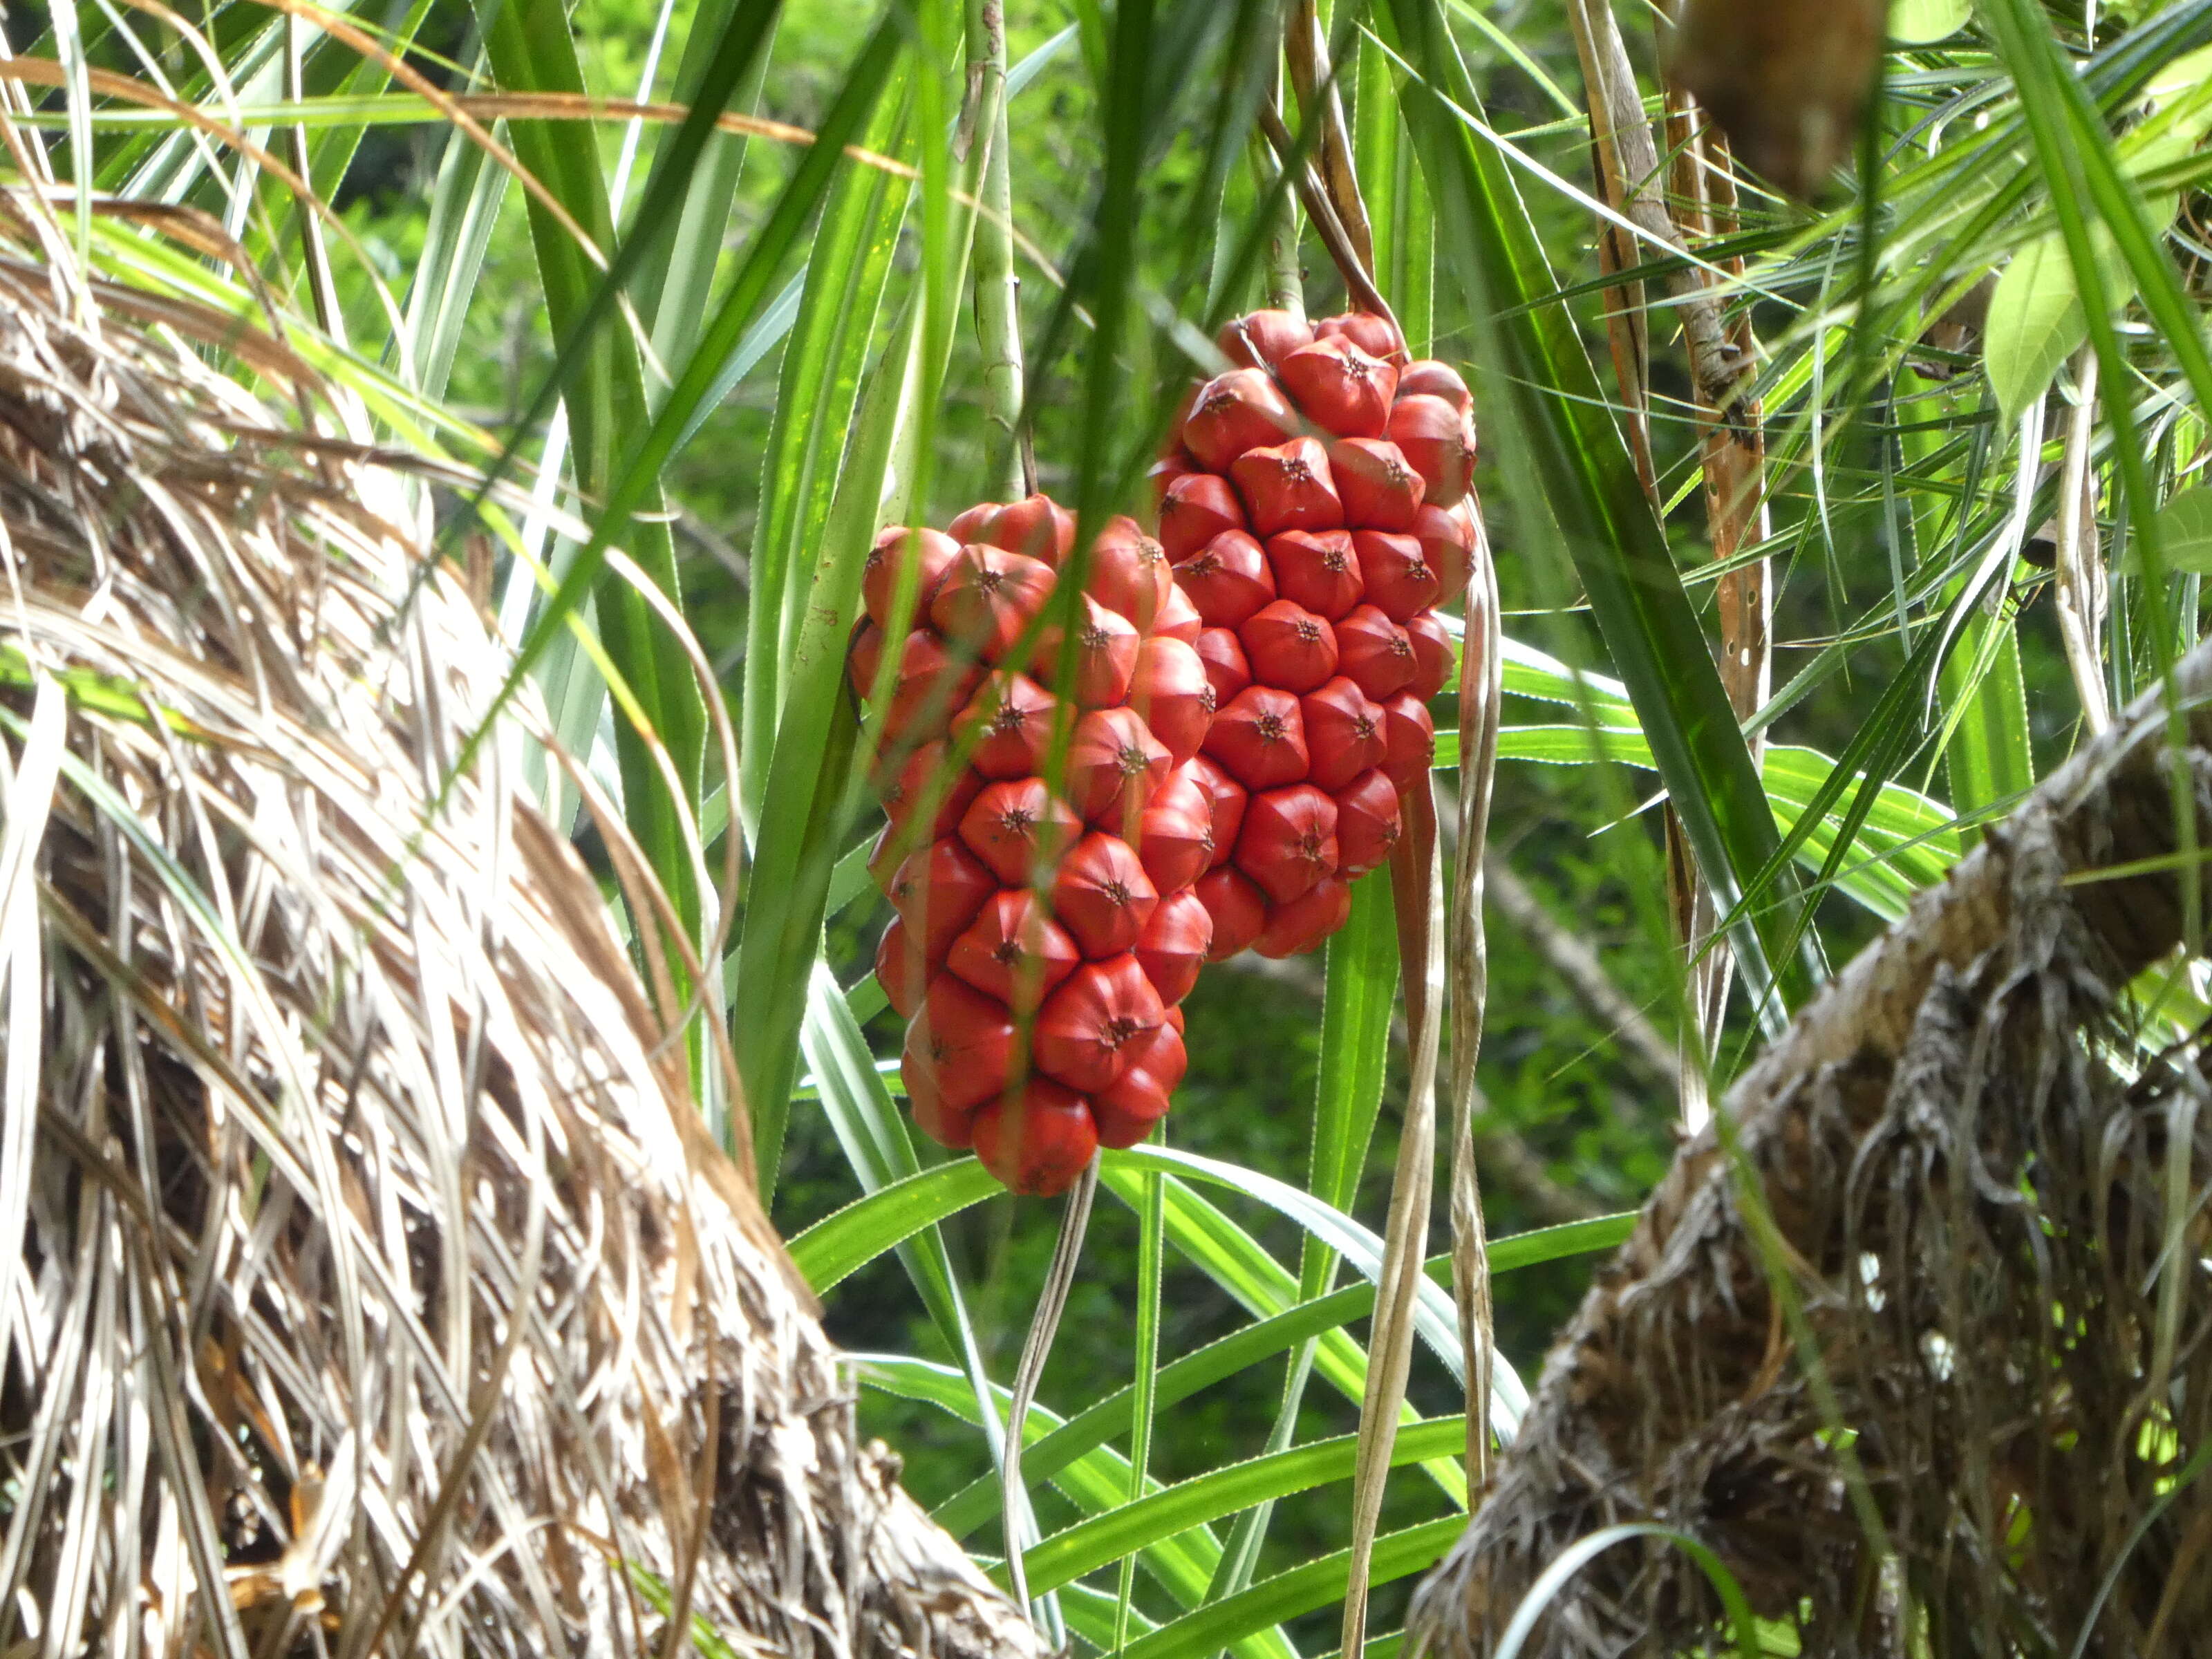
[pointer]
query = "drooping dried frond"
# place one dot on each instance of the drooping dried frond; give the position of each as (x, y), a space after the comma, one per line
(1987, 1203)
(370, 1282)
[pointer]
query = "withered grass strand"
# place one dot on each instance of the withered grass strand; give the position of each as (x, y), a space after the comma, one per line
(369, 1247)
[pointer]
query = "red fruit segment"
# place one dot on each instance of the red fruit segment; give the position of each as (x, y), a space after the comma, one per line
(930, 684)
(1126, 1112)
(961, 1045)
(1129, 572)
(901, 969)
(1018, 828)
(1265, 338)
(1226, 669)
(1377, 485)
(1438, 442)
(1376, 336)
(1225, 798)
(1409, 739)
(1375, 654)
(1227, 580)
(1036, 526)
(1038, 1142)
(1238, 909)
(926, 775)
(1289, 840)
(1013, 716)
(1171, 694)
(975, 524)
(1448, 537)
(1013, 950)
(1305, 921)
(863, 656)
(1115, 764)
(1102, 897)
(927, 553)
(1195, 507)
(1174, 838)
(1316, 568)
(1401, 582)
(1435, 380)
(1289, 647)
(1344, 733)
(1086, 1029)
(932, 1116)
(1240, 411)
(1173, 946)
(1368, 823)
(1104, 646)
(988, 598)
(937, 891)
(1340, 387)
(1288, 487)
(1260, 738)
(1178, 618)
(1432, 652)
(1159, 1054)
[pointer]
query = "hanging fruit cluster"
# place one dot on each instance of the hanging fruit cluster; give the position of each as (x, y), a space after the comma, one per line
(1090, 798)
(1046, 828)
(1317, 502)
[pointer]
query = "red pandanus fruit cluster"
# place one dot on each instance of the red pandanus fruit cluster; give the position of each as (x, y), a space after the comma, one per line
(1048, 825)
(1316, 501)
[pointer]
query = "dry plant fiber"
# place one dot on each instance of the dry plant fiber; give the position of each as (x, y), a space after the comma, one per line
(1929, 1363)
(370, 1283)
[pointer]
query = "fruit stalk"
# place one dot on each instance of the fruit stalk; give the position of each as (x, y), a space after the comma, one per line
(998, 288)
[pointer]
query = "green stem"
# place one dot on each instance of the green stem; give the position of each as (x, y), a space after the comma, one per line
(998, 289)
(1151, 1224)
(1285, 285)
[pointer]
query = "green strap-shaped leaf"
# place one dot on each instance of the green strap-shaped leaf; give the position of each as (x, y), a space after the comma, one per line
(1181, 1561)
(817, 389)
(873, 1134)
(1107, 1418)
(1566, 464)
(1166, 1513)
(601, 381)
(842, 1244)
(1301, 1591)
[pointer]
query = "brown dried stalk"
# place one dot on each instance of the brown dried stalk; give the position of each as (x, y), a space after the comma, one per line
(1734, 443)
(1480, 694)
(1721, 355)
(2080, 571)
(1417, 884)
(1630, 166)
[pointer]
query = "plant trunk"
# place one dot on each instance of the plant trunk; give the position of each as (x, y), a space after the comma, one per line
(1951, 1209)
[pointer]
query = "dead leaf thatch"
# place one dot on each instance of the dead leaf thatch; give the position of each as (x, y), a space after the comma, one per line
(369, 1282)
(1927, 1364)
